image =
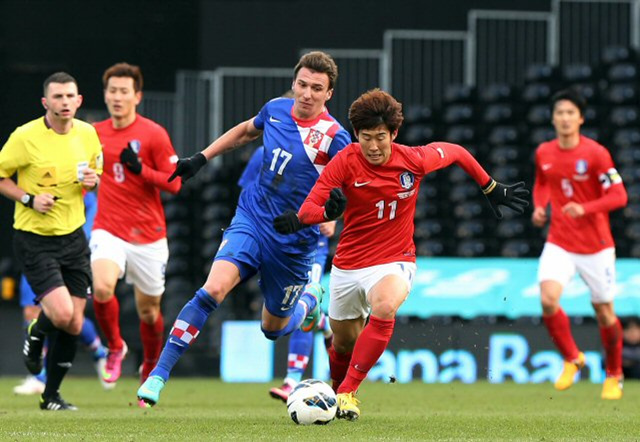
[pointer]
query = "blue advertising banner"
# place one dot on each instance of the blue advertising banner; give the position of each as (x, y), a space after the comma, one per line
(470, 287)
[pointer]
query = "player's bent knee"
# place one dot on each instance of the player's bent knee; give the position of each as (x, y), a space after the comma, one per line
(103, 292)
(272, 335)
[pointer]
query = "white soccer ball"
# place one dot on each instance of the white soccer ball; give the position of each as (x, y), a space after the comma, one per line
(312, 402)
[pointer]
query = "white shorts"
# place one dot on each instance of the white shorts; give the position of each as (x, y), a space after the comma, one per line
(597, 270)
(349, 288)
(145, 264)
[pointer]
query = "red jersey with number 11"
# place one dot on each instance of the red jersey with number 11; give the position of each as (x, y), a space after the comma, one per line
(381, 200)
(129, 205)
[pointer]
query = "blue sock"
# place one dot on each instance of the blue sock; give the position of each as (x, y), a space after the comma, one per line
(296, 320)
(188, 324)
(88, 334)
(300, 345)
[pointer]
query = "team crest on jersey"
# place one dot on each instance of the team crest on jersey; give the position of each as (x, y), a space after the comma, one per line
(406, 180)
(581, 167)
(135, 145)
(314, 138)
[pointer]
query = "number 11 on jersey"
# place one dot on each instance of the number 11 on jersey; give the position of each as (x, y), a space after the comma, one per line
(381, 206)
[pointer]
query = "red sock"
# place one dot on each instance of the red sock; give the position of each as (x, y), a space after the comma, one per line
(151, 335)
(560, 332)
(108, 316)
(612, 342)
(338, 363)
(370, 345)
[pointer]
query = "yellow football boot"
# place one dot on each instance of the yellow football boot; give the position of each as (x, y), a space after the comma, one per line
(566, 378)
(348, 406)
(612, 388)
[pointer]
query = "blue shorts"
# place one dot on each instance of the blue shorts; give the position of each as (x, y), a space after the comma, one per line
(282, 274)
(27, 295)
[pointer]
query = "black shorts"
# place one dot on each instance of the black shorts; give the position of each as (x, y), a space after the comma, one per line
(49, 262)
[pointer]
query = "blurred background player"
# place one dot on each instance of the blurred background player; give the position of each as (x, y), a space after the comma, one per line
(130, 234)
(575, 176)
(88, 335)
(374, 264)
(300, 341)
(300, 137)
(56, 158)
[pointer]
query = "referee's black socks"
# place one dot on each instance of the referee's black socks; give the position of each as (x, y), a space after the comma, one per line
(62, 352)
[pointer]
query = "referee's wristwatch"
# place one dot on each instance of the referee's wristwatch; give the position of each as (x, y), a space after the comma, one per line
(27, 200)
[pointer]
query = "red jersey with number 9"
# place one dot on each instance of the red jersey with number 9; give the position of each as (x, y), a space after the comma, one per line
(129, 205)
(381, 200)
(586, 175)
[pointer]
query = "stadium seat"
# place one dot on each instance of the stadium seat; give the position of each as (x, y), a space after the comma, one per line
(212, 230)
(215, 192)
(592, 116)
(539, 114)
(630, 174)
(512, 228)
(541, 134)
(591, 132)
(418, 113)
(622, 72)
(458, 113)
(624, 116)
(626, 137)
(576, 72)
(471, 248)
(468, 229)
(459, 93)
(468, 210)
(496, 93)
(179, 247)
(209, 249)
(176, 266)
(503, 135)
(499, 113)
(634, 251)
(588, 90)
(508, 173)
(540, 73)
(456, 177)
(622, 93)
(536, 93)
(176, 211)
(418, 134)
(216, 212)
(461, 134)
(502, 155)
(516, 248)
(464, 191)
(616, 54)
(427, 229)
(633, 191)
(632, 212)
(632, 231)
(178, 230)
(431, 247)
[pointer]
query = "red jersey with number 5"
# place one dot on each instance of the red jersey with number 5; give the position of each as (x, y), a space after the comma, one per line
(129, 205)
(586, 175)
(381, 200)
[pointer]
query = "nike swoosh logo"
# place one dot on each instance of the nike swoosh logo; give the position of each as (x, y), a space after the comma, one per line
(177, 342)
(357, 184)
(274, 120)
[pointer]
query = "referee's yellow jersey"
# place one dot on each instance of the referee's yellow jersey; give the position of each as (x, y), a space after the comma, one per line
(48, 162)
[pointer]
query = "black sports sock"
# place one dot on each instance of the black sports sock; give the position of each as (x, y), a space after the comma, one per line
(42, 327)
(62, 352)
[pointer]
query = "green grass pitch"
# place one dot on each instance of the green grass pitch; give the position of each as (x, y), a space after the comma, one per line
(198, 409)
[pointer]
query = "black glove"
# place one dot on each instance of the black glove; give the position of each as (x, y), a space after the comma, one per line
(287, 223)
(503, 195)
(335, 205)
(130, 159)
(188, 167)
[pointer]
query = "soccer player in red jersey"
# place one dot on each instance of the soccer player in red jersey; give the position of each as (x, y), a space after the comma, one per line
(576, 176)
(375, 260)
(129, 233)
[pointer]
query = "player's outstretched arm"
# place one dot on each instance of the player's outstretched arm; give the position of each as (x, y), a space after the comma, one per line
(235, 137)
(511, 196)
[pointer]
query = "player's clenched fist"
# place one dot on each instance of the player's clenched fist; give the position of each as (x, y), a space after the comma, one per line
(287, 223)
(335, 205)
(187, 167)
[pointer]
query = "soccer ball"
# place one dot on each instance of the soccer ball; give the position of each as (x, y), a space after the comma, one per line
(312, 402)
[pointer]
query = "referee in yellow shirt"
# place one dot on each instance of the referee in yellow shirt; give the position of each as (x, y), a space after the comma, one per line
(56, 158)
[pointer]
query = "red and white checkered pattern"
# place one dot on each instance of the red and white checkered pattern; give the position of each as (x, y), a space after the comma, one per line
(184, 331)
(298, 361)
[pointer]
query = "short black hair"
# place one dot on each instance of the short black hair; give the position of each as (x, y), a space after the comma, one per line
(571, 95)
(58, 77)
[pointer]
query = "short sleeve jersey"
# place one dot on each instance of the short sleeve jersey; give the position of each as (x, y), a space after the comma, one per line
(49, 162)
(381, 199)
(580, 174)
(295, 153)
(129, 206)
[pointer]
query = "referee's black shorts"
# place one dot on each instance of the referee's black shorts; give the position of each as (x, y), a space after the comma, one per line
(49, 262)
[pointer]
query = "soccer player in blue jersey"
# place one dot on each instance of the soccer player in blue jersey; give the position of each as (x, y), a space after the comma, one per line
(300, 137)
(88, 335)
(300, 341)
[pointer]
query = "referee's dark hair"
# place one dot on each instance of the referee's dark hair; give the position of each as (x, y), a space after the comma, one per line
(58, 77)
(571, 95)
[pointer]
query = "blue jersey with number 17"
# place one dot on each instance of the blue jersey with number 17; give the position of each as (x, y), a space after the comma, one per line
(295, 153)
